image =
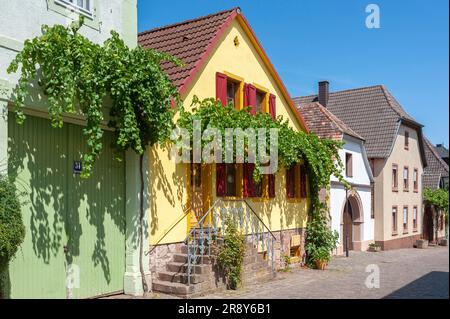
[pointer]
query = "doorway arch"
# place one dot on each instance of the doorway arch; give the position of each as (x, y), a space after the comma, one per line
(352, 219)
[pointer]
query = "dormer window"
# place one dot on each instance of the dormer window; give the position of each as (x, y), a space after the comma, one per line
(82, 6)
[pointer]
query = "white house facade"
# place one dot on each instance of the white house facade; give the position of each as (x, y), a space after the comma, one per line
(351, 210)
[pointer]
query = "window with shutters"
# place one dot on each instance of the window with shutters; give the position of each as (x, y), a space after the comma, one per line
(406, 179)
(394, 177)
(394, 220)
(296, 182)
(348, 164)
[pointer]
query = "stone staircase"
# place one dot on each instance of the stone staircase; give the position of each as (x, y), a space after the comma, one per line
(206, 277)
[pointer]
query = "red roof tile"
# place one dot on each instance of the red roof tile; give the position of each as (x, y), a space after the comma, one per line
(189, 41)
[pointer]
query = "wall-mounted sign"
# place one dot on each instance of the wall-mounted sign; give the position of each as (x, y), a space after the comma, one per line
(77, 167)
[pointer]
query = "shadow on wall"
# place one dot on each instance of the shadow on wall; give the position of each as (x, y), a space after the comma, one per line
(433, 285)
(60, 205)
(173, 187)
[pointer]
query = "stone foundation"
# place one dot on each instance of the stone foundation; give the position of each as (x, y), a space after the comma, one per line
(162, 254)
(398, 243)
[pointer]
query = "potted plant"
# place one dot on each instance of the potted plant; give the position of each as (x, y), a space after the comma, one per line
(374, 247)
(320, 241)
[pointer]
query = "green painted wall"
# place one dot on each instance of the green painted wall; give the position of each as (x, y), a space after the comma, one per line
(87, 216)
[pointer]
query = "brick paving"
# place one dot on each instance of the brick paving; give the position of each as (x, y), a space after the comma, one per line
(404, 273)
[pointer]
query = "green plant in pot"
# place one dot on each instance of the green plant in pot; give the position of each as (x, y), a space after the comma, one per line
(320, 240)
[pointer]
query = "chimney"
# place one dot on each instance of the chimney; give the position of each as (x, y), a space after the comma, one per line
(324, 93)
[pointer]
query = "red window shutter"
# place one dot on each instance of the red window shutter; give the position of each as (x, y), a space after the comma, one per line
(303, 192)
(290, 182)
(272, 106)
(221, 88)
(220, 179)
(272, 186)
(250, 97)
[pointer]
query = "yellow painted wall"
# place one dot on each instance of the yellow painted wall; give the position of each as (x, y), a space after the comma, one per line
(168, 188)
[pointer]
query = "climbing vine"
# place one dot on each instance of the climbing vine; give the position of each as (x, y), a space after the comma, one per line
(79, 76)
(320, 156)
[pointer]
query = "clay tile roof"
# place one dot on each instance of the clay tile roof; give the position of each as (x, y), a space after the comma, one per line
(372, 112)
(324, 123)
(188, 41)
(436, 168)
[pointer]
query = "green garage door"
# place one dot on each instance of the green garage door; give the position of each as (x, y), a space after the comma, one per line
(70, 223)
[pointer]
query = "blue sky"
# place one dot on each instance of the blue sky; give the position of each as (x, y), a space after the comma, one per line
(313, 40)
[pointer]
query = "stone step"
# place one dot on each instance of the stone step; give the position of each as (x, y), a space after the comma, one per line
(181, 267)
(182, 258)
(181, 290)
(182, 277)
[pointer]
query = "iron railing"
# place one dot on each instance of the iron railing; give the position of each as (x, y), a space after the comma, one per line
(210, 229)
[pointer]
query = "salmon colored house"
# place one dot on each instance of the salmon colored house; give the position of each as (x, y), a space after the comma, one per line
(223, 59)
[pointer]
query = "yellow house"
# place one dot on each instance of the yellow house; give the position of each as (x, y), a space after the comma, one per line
(223, 59)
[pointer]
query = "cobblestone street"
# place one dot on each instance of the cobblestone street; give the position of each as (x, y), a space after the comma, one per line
(405, 273)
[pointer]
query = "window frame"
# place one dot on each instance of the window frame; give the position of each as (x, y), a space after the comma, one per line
(405, 185)
(405, 214)
(415, 217)
(394, 177)
(349, 164)
(406, 140)
(394, 220)
(416, 182)
(74, 6)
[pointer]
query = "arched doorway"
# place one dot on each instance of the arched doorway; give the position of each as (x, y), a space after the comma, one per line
(428, 233)
(351, 222)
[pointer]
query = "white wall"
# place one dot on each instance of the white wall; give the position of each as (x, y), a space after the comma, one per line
(361, 182)
(21, 20)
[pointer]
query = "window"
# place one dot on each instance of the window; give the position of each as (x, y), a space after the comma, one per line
(251, 188)
(395, 177)
(232, 91)
(415, 218)
(394, 220)
(405, 218)
(416, 180)
(406, 140)
(226, 180)
(260, 101)
(405, 178)
(230, 180)
(83, 6)
(348, 165)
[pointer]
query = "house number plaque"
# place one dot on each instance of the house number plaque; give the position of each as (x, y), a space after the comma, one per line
(77, 167)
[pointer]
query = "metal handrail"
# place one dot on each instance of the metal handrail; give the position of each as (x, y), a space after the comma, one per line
(253, 211)
(197, 240)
